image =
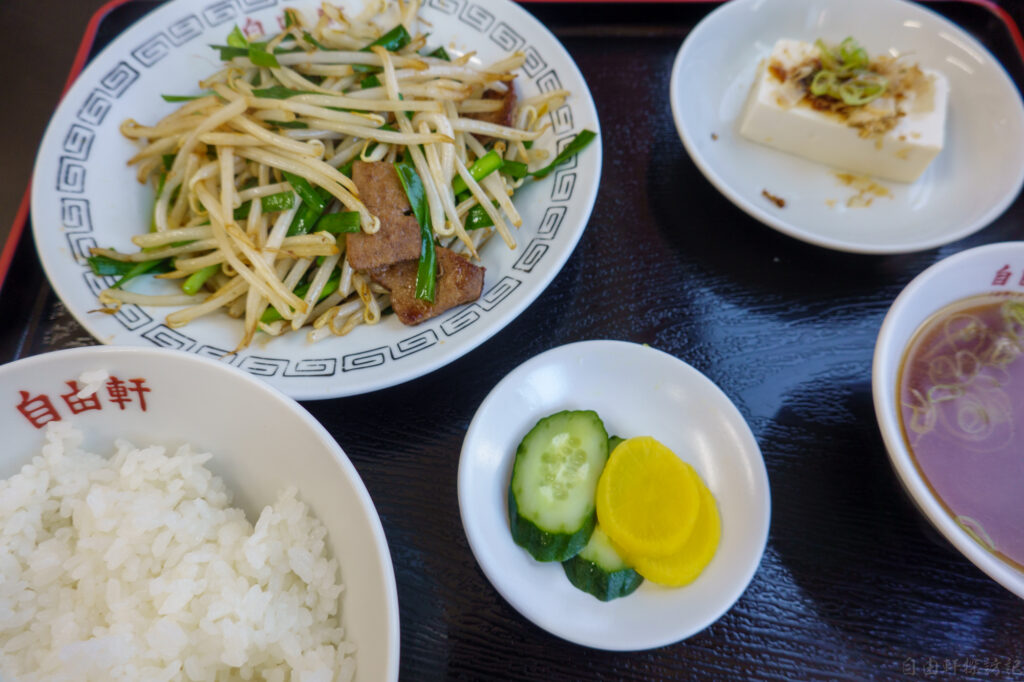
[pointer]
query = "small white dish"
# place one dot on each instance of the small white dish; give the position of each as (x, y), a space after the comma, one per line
(84, 194)
(636, 390)
(153, 396)
(973, 180)
(981, 270)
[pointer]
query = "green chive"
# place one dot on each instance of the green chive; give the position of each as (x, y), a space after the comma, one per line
(515, 169)
(853, 55)
(392, 41)
(426, 270)
(440, 53)
(578, 143)
(860, 90)
(307, 215)
(288, 124)
(481, 168)
(236, 38)
(105, 266)
(305, 190)
(159, 190)
(229, 52)
(304, 220)
(338, 223)
(271, 203)
(194, 282)
(845, 74)
(477, 217)
(141, 269)
(281, 201)
(280, 92)
(330, 286)
(261, 57)
(829, 59)
(825, 82)
(308, 37)
(184, 98)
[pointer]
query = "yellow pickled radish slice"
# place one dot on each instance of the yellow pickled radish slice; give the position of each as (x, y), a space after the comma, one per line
(683, 567)
(647, 498)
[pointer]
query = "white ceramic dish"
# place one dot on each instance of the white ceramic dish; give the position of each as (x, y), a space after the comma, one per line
(990, 268)
(84, 194)
(637, 391)
(184, 393)
(977, 175)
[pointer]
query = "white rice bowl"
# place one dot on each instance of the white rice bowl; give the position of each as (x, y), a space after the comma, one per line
(254, 553)
(136, 567)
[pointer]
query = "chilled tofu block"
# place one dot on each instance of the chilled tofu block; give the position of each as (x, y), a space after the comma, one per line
(893, 137)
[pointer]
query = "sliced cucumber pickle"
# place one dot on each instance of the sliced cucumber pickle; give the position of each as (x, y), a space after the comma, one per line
(600, 570)
(554, 478)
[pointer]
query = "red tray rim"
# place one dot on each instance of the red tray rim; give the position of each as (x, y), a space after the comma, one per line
(91, 29)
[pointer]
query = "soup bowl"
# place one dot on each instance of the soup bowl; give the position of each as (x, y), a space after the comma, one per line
(261, 443)
(990, 269)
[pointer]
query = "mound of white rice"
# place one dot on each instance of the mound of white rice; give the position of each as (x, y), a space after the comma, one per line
(136, 568)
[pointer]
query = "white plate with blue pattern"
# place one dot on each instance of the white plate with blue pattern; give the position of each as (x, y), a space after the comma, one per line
(637, 391)
(84, 194)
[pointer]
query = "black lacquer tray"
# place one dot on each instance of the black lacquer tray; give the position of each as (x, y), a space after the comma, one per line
(854, 583)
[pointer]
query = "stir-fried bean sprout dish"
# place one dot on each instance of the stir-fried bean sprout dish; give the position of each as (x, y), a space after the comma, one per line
(340, 170)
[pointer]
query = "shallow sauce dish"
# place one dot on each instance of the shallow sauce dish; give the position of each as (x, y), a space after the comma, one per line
(994, 268)
(971, 182)
(84, 195)
(172, 398)
(636, 390)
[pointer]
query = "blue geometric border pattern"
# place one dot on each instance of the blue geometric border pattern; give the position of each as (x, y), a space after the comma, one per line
(217, 353)
(76, 221)
(414, 344)
(79, 243)
(365, 359)
(449, 7)
(153, 50)
(313, 367)
(262, 366)
(531, 255)
(219, 12)
(94, 109)
(476, 17)
(534, 63)
(132, 317)
(74, 215)
(506, 38)
(70, 176)
(119, 79)
(184, 29)
(253, 5)
(78, 142)
(165, 337)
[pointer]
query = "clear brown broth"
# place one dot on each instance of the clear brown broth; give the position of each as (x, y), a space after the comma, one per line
(961, 394)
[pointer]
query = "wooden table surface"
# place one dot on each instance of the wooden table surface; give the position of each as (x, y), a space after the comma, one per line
(854, 584)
